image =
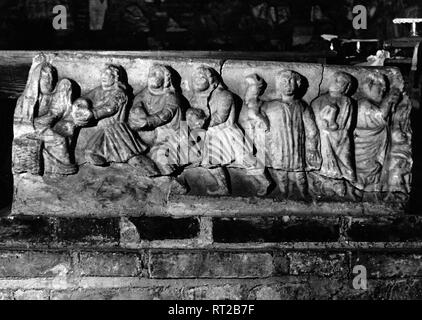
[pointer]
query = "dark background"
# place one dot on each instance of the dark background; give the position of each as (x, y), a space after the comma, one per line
(251, 25)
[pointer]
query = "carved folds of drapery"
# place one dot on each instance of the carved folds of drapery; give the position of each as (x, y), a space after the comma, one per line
(284, 130)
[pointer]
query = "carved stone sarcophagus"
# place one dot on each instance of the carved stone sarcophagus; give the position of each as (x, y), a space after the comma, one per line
(119, 134)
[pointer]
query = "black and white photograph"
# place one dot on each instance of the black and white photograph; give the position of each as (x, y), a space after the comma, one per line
(214, 154)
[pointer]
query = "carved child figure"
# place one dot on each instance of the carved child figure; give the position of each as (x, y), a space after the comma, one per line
(255, 88)
(372, 137)
(333, 114)
(195, 119)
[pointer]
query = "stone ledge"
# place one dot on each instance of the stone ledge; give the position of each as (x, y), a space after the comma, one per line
(186, 206)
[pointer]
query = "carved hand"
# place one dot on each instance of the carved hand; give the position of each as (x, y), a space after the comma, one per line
(328, 114)
(39, 58)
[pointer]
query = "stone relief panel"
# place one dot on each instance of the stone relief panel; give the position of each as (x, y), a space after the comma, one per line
(279, 130)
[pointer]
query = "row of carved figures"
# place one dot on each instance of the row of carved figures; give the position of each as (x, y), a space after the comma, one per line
(331, 139)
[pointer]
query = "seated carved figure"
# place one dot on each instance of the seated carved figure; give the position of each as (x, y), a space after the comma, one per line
(224, 144)
(156, 116)
(113, 140)
(333, 113)
(292, 143)
(372, 137)
(45, 120)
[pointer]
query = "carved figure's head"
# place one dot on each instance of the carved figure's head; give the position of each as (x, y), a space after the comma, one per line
(341, 83)
(110, 76)
(160, 78)
(375, 86)
(288, 82)
(48, 78)
(195, 118)
(255, 86)
(205, 78)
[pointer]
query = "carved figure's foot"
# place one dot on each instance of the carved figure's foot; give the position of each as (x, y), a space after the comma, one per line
(220, 179)
(220, 191)
(264, 183)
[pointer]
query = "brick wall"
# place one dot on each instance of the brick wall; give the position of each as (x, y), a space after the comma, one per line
(120, 258)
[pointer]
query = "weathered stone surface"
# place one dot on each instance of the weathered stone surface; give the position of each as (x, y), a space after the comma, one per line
(85, 67)
(108, 264)
(281, 263)
(211, 265)
(31, 295)
(128, 232)
(285, 229)
(307, 287)
(6, 295)
(83, 294)
(393, 265)
(287, 289)
(233, 71)
(393, 74)
(336, 289)
(118, 189)
(398, 289)
(135, 294)
(32, 263)
(218, 292)
(319, 264)
(241, 207)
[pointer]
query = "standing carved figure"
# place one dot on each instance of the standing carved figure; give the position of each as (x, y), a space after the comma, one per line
(292, 142)
(156, 115)
(372, 137)
(333, 113)
(45, 123)
(113, 140)
(224, 144)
